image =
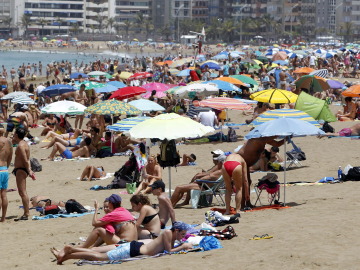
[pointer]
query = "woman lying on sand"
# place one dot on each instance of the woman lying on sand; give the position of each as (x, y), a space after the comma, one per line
(165, 241)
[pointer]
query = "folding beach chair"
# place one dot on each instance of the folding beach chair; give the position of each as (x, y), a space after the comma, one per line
(294, 156)
(270, 184)
(208, 189)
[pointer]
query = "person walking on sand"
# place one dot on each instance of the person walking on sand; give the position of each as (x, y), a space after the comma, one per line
(22, 168)
(6, 152)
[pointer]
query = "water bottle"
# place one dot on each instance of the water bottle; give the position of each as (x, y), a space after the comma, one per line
(339, 173)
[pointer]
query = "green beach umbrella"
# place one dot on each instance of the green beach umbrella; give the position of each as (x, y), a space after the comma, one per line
(90, 85)
(245, 79)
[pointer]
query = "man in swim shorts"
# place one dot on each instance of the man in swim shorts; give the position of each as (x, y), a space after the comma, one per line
(165, 242)
(22, 168)
(83, 151)
(6, 152)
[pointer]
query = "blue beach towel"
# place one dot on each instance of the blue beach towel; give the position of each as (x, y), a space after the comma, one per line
(60, 215)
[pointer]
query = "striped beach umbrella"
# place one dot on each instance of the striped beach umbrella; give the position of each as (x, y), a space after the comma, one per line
(127, 123)
(280, 113)
(323, 73)
(222, 103)
(23, 99)
(16, 94)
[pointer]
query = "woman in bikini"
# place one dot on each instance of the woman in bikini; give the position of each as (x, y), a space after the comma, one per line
(234, 171)
(148, 223)
(151, 173)
(49, 124)
(91, 172)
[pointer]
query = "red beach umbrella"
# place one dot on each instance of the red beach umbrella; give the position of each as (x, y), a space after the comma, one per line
(128, 92)
(140, 76)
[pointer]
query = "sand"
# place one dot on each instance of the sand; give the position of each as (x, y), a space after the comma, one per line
(318, 231)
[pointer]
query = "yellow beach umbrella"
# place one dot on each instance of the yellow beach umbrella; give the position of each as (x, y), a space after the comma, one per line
(125, 75)
(275, 96)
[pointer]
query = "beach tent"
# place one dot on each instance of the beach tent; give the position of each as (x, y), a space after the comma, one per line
(315, 107)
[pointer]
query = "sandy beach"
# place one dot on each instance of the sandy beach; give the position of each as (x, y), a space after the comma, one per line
(318, 231)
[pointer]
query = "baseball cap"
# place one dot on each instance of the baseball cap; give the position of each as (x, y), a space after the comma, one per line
(220, 158)
(158, 184)
(114, 198)
(217, 152)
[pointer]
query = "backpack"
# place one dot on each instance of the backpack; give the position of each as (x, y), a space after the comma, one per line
(72, 206)
(128, 173)
(35, 165)
(352, 175)
(327, 128)
(231, 136)
(168, 157)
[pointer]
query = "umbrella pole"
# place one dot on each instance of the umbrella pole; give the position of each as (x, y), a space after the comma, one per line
(169, 181)
(285, 169)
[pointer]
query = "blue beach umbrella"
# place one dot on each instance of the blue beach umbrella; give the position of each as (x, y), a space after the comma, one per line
(220, 57)
(146, 105)
(284, 127)
(76, 75)
(117, 84)
(184, 73)
(211, 65)
(225, 86)
(281, 62)
(127, 123)
(106, 89)
(57, 89)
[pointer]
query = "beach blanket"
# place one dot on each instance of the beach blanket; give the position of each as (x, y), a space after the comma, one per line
(274, 206)
(61, 215)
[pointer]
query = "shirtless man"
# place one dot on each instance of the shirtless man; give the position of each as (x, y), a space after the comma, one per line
(166, 210)
(165, 241)
(22, 168)
(346, 132)
(3, 83)
(82, 99)
(251, 152)
(17, 119)
(3, 105)
(12, 74)
(283, 78)
(83, 151)
(6, 152)
(349, 112)
(124, 143)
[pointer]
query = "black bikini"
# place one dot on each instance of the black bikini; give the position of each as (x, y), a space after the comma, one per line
(147, 219)
(20, 168)
(135, 248)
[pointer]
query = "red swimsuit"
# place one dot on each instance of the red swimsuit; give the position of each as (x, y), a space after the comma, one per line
(230, 166)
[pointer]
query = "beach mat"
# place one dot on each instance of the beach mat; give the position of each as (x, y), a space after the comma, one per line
(61, 215)
(275, 206)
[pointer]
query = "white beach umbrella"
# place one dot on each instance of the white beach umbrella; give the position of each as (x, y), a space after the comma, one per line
(16, 94)
(196, 89)
(23, 99)
(64, 107)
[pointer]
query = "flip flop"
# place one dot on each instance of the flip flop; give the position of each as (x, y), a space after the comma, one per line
(264, 236)
(22, 218)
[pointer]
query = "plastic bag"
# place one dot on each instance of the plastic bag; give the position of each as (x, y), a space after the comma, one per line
(209, 243)
(195, 196)
(131, 188)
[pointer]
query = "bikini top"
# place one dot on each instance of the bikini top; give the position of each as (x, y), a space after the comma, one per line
(147, 219)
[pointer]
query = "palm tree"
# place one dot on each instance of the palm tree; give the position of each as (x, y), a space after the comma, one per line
(7, 21)
(214, 29)
(110, 23)
(25, 22)
(59, 22)
(92, 27)
(347, 31)
(100, 20)
(42, 22)
(228, 28)
(75, 28)
(117, 27)
(139, 22)
(166, 31)
(149, 27)
(127, 25)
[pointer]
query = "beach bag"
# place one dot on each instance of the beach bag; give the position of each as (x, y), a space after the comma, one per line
(209, 243)
(275, 166)
(72, 206)
(51, 210)
(131, 188)
(35, 165)
(352, 175)
(231, 136)
(327, 128)
(168, 157)
(103, 153)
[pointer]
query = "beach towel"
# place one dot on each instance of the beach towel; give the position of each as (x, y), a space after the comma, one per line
(274, 206)
(60, 215)
(108, 175)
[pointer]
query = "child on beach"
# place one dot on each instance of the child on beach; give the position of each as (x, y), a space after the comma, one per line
(166, 210)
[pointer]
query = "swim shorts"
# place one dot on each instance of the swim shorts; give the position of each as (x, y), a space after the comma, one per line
(4, 177)
(120, 252)
(67, 154)
(346, 132)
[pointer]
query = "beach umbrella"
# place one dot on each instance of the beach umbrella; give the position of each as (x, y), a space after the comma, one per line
(323, 73)
(304, 70)
(23, 99)
(77, 74)
(320, 51)
(312, 83)
(220, 57)
(180, 62)
(211, 65)
(140, 76)
(281, 62)
(335, 84)
(288, 113)
(225, 86)
(172, 90)
(117, 84)
(280, 56)
(157, 86)
(124, 75)
(284, 127)
(128, 92)
(89, 85)
(222, 103)
(169, 126)
(97, 73)
(245, 79)
(276, 96)
(145, 105)
(127, 123)
(352, 91)
(16, 94)
(263, 59)
(112, 107)
(184, 73)
(231, 80)
(196, 89)
(107, 88)
(64, 107)
(159, 94)
(57, 89)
